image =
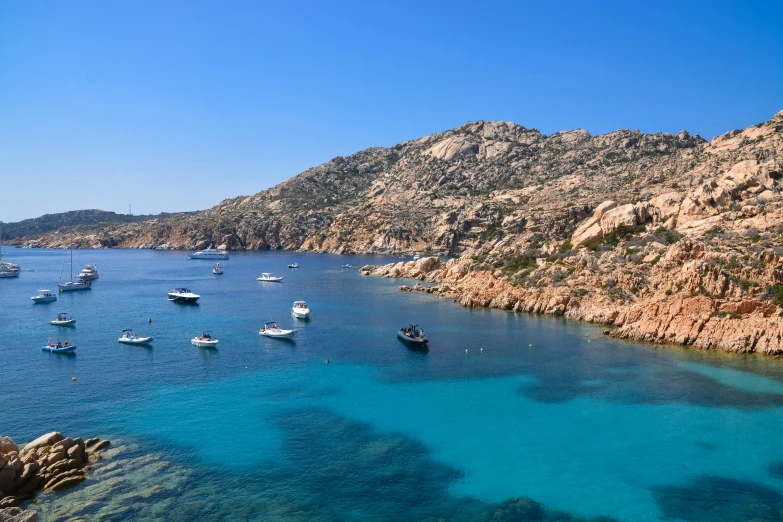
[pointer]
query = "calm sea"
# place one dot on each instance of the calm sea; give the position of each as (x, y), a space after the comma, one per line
(502, 406)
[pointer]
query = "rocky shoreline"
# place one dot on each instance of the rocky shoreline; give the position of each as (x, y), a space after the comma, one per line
(51, 462)
(739, 325)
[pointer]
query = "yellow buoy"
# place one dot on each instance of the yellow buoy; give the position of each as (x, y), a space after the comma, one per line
(466, 351)
(588, 340)
(481, 349)
(73, 378)
(531, 344)
(149, 319)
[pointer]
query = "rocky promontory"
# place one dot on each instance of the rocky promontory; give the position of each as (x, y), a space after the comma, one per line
(51, 462)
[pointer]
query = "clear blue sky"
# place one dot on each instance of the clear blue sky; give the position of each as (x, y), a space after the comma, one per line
(175, 106)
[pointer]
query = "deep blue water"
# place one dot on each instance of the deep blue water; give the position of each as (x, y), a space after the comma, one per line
(501, 405)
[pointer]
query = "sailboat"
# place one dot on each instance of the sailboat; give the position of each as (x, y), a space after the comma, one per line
(7, 269)
(72, 285)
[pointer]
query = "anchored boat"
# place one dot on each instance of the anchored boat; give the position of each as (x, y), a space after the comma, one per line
(204, 340)
(269, 278)
(128, 337)
(209, 253)
(300, 310)
(63, 320)
(58, 347)
(183, 295)
(88, 273)
(44, 296)
(72, 286)
(271, 329)
(413, 334)
(217, 269)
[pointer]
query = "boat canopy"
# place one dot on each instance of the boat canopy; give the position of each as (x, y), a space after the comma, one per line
(270, 324)
(182, 290)
(128, 330)
(299, 303)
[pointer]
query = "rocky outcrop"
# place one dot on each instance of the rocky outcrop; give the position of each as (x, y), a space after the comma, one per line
(51, 462)
(681, 293)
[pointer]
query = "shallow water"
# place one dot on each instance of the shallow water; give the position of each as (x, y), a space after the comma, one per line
(263, 429)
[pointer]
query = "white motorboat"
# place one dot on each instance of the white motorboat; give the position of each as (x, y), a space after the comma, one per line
(204, 340)
(44, 296)
(209, 253)
(347, 265)
(417, 256)
(128, 337)
(63, 320)
(217, 269)
(183, 295)
(7, 269)
(88, 273)
(72, 286)
(266, 276)
(293, 265)
(271, 329)
(300, 310)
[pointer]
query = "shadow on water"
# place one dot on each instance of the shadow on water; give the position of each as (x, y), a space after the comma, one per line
(710, 498)
(331, 469)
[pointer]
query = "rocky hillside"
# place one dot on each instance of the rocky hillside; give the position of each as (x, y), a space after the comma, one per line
(444, 193)
(670, 238)
(52, 222)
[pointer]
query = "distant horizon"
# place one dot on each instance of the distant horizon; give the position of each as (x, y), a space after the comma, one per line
(171, 107)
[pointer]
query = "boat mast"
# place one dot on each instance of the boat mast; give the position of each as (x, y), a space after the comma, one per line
(71, 265)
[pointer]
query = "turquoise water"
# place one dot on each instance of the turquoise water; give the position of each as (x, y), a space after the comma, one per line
(268, 431)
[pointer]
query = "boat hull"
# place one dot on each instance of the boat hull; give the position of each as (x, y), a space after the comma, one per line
(299, 314)
(90, 277)
(270, 280)
(64, 349)
(279, 334)
(47, 299)
(412, 340)
(8, 274)
(73, 286)
(70, 322)
(139, 341)
(183, 299)
(204, 343)
(216, 272)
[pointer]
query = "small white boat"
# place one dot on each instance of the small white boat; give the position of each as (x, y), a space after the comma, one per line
(209, 253)
(183, 295)
(347, 265)
(266, 276)
(293, 265)
(44, 296)
(204, 340)
(300, 310)
(417, 256)
(217, 269)
(88, 273)
(128, 337)
(63, 320)
(271, 329)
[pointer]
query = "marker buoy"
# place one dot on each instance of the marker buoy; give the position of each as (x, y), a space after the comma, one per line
(466, 351)
(588, 340)
(73, 378)
(531, 344)
(481, 349)
(327, 361)
(149, 319)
